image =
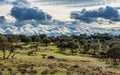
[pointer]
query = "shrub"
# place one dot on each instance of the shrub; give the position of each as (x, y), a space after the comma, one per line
(23, 70)
(33, 71)
(51, 57)
(46, 71)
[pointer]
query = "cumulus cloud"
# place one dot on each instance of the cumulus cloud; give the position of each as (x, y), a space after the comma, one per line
(91, 15)
(24, 13)
(2, 19)
(20, 2)
(2, 0)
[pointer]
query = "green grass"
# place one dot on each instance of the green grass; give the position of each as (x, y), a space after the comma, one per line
(61, 65)
(117, 67)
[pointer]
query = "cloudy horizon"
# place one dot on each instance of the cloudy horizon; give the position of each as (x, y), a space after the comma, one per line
(58, 9)
(36, 16)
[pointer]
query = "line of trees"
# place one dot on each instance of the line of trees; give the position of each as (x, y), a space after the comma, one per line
(98, 45)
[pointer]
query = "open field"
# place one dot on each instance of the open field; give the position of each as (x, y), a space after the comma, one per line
(54, 62)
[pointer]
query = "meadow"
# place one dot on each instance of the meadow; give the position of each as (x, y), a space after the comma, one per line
(49, 60)
(62, 55)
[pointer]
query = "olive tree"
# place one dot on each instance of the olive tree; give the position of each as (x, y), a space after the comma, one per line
(46, 41)
(73, 45)
(114, 53)
(11, 50)
(3, 45)
(62, 45)
(86, 48)
(95, 48)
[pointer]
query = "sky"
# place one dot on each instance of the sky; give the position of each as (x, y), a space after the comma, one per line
(61, 9)
(58, 9)
(65, 16)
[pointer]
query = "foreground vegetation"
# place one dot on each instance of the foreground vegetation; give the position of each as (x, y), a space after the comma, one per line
(97, 54)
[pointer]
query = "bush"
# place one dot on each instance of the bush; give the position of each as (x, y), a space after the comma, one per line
(50, 57)
(23, 70)
(46, 71)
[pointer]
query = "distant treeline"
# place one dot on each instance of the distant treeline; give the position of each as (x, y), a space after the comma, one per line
(38, 38)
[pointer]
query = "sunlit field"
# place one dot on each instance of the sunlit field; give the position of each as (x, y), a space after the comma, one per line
(51, 61)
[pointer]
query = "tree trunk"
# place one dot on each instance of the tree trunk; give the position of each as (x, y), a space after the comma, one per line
(94, 53)
(46, 44)
(13, 56)
(4, 55)
(9, 55)
(115, 62)
(72, 51)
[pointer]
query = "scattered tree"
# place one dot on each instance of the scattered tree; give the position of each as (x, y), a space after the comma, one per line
(114, 53)
(3, 45)
(72, 45)
(46, 41)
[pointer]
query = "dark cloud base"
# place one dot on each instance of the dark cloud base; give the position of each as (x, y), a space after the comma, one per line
(91, 15)
(24, 13)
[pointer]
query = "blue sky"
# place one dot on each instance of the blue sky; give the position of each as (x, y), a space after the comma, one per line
(59, 9)
(37, 16)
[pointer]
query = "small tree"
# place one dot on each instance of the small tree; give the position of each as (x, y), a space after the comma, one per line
(73, 45)
(62, 45)
(12, 38)
(95, 48)
(46, 41)
(37, 39)
(42, 36)
(114, 53)
(3, 45)
(11, 50)
(25, 39)
(86, 48)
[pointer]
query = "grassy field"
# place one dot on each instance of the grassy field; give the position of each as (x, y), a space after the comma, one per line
(61, 63)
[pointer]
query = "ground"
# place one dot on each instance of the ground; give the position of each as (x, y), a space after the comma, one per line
(54, 63)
